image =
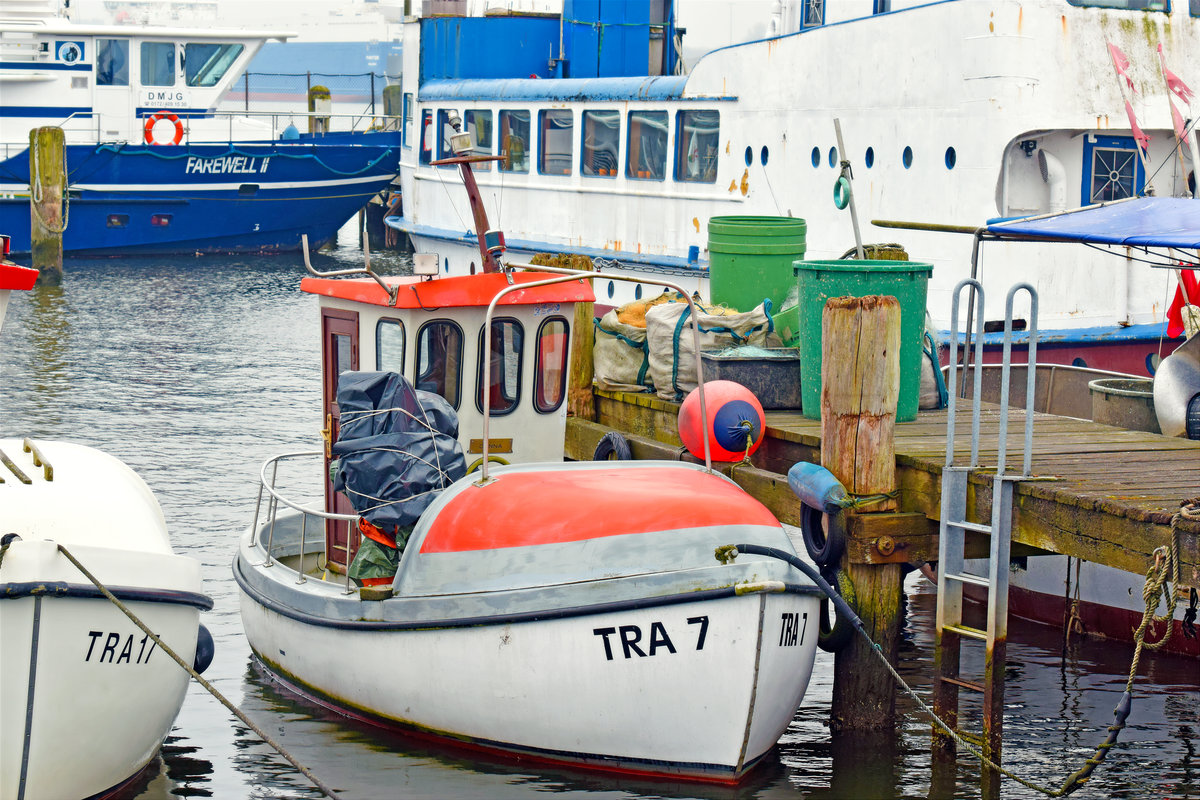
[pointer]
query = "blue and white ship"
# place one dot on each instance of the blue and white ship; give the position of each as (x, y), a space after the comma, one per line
(151, 166)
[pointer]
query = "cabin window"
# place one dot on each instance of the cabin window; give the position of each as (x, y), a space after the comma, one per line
(1112, 169)
(426, 137)
(1132, 5)
(407, 117)
(813, 14)
(550, 370)
(503, 380)
(646, 155)
(601, 139)
(204, 64)
(389, 346)
(439, 360)
(556, 142)
(1194, 7)
(696, 144)
(514, 141)
(479, 125)
(112, 62)
(158, 63)
(445, 131)
(882, 6)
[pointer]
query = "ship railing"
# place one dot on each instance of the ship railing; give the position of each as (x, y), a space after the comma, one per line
(268, 485)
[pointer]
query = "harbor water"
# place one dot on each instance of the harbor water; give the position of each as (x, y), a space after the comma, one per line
(196, 370)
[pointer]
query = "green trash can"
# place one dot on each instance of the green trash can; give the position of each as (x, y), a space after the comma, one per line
(907, 281)
(750, 260)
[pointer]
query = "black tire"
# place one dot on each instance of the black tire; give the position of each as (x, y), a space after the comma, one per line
(824, 536)
(832, 638)
(1192, 424)
(613, 444)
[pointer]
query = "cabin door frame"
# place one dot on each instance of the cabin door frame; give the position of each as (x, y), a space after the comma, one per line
(339, 353)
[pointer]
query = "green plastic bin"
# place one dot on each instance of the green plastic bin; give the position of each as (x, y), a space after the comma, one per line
(907, 281)
(750, 259)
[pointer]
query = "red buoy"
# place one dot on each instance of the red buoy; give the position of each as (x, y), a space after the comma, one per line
(735, 417)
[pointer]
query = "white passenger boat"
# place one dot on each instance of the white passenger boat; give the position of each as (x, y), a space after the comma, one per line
(87, 697)
(564, 612)
(953, 112)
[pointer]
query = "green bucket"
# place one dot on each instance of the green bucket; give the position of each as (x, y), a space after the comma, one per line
(750, 259)
(907, 281)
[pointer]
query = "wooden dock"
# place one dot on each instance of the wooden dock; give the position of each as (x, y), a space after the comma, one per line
(1099, 493)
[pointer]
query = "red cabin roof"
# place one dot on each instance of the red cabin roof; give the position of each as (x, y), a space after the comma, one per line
(16, 277)
(458, 292)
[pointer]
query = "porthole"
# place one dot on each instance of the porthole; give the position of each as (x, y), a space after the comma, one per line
(445, 265)
(762, 156)
(472, 267)
(833, 159)
(611, 289)
(951, 158)
(749, 155)
(1078, 362)
(907, 157)
(816, 157)
(869, 157)
(637, 292)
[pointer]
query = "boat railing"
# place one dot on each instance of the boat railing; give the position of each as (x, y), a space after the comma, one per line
(275, 498)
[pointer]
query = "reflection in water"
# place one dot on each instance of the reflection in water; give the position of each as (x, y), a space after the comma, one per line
(195, 371)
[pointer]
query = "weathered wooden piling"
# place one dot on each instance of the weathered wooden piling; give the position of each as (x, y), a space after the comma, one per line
(47, 215)
(581, 402)
(860, 385)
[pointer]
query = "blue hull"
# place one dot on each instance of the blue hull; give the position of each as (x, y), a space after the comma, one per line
(236, 197)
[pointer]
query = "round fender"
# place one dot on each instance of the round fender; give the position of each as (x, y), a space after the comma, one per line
(477, 463)
(832, 638)
(612, 445)
(205, 648)
(824, 535)
(154, 119)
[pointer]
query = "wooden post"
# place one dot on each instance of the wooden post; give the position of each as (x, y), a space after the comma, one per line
(580, 400)
(860, 386)
(47, 186)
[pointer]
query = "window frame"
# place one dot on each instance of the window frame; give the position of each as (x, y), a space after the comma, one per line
(379, 328)
(514, 402)
(1106, 142)
(546, 117)
(645, 112)
(502, 118)
(539, 371)
(584, 165)
(145, 64)
(681, 142)
(479, 148)
(418, 375)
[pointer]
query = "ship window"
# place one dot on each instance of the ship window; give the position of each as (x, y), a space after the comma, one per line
(869, 157)
(112, 62)
(814, 14)
(406, 128)
(556, 142)
(601, 139)
(1194, 9)
(479, 125)
(1111, 168)
(158, 63)
(816, 157)
(647, 152)
(248, 190)
(882, 6)
(426, 137)
(696, 143)
(514, 141)
(161, 220)
(550, 382)
(906, 157)
(204, 64)
(1133, 5)
(503, 380)
(439, 360)
(118, 220)
(445, 131)
(389, 346)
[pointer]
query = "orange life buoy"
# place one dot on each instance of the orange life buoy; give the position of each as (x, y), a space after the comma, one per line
(154, 118)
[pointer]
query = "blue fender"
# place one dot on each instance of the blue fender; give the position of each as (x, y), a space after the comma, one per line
(816, 487)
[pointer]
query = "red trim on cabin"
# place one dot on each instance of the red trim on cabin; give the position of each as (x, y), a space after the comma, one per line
(17, 277)
(523, 509)
(457, 292)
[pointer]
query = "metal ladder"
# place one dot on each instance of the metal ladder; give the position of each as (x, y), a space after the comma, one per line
(952, 530)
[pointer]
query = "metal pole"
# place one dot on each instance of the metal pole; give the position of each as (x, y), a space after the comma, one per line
(837, 127)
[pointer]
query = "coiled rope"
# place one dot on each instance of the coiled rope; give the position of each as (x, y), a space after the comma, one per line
(35, 192)
(190, 670)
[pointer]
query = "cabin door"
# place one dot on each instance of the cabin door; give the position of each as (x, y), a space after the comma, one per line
(339, 353)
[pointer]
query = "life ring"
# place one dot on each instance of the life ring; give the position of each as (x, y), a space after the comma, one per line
(841, 193)
(824, 535)
(613, 444)
(156, 117)
(832, 638)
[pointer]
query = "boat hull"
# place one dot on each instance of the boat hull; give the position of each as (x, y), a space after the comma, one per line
(709, 685)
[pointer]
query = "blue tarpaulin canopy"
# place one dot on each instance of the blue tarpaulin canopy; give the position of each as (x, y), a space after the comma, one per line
(1138, 222)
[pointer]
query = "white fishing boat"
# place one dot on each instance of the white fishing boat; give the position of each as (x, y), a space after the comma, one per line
(571, 613)
(87, 697)
(953, 113)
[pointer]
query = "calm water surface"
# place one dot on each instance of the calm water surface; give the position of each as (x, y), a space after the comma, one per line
(196, 370)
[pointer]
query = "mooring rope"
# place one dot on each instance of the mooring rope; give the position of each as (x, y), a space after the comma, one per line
(35, 192)
(1166, 563)
(191, 671)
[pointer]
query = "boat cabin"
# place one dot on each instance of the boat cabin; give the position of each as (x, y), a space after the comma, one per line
(432, 334)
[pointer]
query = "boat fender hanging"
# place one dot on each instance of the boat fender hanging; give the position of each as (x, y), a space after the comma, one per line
(154, 119)
(736, 422)
(832, 638)
(612, 446)
(205, 648)
(841, 193)
(822, 523)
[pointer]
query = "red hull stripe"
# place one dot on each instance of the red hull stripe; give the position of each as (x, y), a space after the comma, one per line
(459, 292)
(13, 276)
(521, 509)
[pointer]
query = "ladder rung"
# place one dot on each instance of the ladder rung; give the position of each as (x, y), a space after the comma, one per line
(964, 630)
(975, 687)
(971, 526)
(966, 578)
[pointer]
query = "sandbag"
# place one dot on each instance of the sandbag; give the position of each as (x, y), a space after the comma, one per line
(669, 339)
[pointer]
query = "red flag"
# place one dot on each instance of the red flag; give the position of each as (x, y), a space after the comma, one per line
(1189, 286)
(1121, 63)
(1174, 83)
(1142, 139)
(1176, 120)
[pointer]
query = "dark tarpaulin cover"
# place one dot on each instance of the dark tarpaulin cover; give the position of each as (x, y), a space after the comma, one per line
(397, 447)
(1142, 222)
